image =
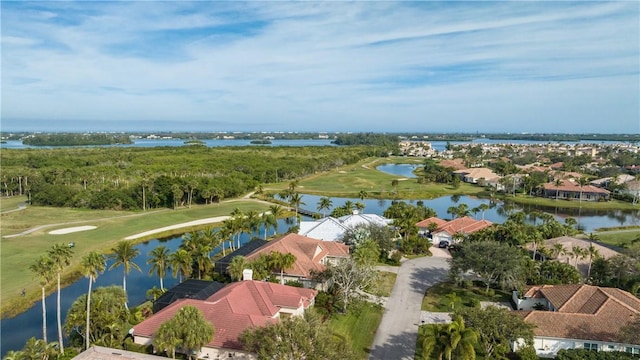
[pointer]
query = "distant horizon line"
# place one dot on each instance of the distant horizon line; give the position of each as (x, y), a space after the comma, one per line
(475, 133)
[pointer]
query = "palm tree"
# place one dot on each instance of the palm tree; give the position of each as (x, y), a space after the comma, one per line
(237, 266)
(252, 222)
(483, 207)
(451, 339)
(154, 293)
(276, 210)
(270, 222)
(295, 200)
(362, 195)
(159, 260)
(360, 206)
(123, 254)
(453, 211)
(324, 204)
(43, 269)
(211, 237)
(578, 253)
(60, 254)
(582, 181)
(592, 252)
(93, 264)
(557, 249)
(280, 261)
(557, 183)
(181, 263)
(348, 205)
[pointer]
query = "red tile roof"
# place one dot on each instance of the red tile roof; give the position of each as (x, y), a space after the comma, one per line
(425, 223)
(309, 252)
(574, 187)
(465, 225)
(235, 308)
(583, 312)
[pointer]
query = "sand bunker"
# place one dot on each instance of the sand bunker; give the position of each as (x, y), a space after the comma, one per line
(72, 230)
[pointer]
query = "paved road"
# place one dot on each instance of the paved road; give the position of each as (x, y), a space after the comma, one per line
(398, 331)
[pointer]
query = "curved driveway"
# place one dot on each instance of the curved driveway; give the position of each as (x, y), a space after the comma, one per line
(398, 331)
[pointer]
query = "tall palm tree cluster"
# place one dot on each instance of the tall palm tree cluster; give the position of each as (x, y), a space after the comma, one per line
(263, 266)
(51, 264)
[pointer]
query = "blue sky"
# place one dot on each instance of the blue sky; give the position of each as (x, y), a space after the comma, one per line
(321, 66)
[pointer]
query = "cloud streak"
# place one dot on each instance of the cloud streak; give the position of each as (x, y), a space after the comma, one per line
(323, 66)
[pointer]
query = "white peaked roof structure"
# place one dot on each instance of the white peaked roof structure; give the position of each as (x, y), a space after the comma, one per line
(332, 229)
(327, 229)
(357, 219)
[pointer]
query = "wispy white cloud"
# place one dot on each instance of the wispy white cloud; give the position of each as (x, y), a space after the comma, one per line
(455, 66)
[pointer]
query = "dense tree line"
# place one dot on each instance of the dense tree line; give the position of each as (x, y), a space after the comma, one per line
(74, 139)
(142, 178)
(383, 140)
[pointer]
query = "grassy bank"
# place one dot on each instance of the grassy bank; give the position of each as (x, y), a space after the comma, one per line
(620, 238)
(438, 298)
(359, 326)
(572, 204)
(348, 181)
(19, 252)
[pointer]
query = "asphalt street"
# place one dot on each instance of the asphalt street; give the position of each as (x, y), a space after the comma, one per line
(398, 331)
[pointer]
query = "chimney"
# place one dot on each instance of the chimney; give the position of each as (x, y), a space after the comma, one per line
(247, 274)
(355, 212)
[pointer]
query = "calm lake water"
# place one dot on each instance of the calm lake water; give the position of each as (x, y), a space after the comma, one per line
(17, 144)
(404, 170)
(14, 332)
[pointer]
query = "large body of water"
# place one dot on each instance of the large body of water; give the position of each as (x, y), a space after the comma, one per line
(437, 145)
(15, 331)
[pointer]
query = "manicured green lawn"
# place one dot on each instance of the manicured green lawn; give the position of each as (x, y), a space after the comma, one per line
(436, 297)
(619, 238)
(348, 181)
(19, 252)
(358, 326)
(11, 203)
(384, 284)
(539, 201)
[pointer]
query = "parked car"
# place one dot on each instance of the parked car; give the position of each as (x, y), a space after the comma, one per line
(443, 244)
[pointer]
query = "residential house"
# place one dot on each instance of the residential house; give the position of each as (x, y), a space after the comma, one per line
(311, 255)
(231, 310)
(104, 353)
(423, 226)
(356, 219)
(477, 175)
(326, 229)
(569, 190)
(332, 229)
(578, 317)
(465, 225)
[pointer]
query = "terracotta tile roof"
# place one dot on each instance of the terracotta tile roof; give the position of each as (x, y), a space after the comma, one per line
(235, 308)
(309, 252)
(425, 223)
(574, 187)
(584, 312)
(465, 225)
(456, 164)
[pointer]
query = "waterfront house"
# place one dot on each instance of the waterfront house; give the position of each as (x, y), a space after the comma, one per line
(570, 190)
(231, 310)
